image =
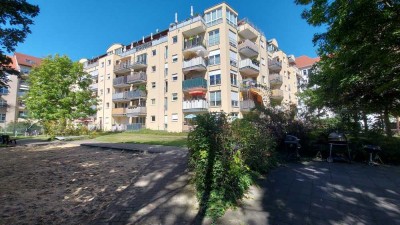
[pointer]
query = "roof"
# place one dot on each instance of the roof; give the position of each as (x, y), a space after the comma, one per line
(305, 61)
(27, 60)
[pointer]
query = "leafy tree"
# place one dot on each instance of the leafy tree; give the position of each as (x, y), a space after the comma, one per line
(360, 55)
(59, 92)
(15, 19)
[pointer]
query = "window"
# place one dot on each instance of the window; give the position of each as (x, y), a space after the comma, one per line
(231, 18)
(166, 87)
(233, 78)
(108, 77)
(174, 117)
(232, 38)
(215, 77)
(142, 58)
(153, 84)
(108, 62)
(262, 44)
(288, 76)
(154, 52)
(175, 58)
(107, 105)
(166, 52)
(174, 39)
(165, 69)
(174, 96)
(107, 120)
(4, 90)
(215, 98)
(2, 117)
(213, 37)
(153, 101)
(108, 90)
(102, 64)
(174, 77)
(263, 61)
(214, 17)
(101, 91)
(214, 58)
(234, 99)
(233, 58)
(304, 72)
(153, 69)
(3, 103)
(153, 118)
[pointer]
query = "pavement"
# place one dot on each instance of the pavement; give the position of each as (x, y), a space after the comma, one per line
(296, 193)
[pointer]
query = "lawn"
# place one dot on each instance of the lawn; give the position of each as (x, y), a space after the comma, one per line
(146, 137)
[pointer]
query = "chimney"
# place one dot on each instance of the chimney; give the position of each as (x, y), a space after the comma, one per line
(151, 36)
(191, 10)
(143, 39)
(157, 30)
(176, 17)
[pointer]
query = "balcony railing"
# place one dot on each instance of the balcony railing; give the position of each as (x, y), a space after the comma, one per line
(4, 91)
(197, 64)
(93, 87)
(118, 111)
(120, 81)
(3, 105)
(195, 105)
(247, 104)
(249, 67)
(277, 95)
(187, 22)
(275, 80)
(91, 65)
(137, 111)
(21, 93)
(248, 48)
(136, 78)
(129, 95)
(123, 67)
(274, 65)
(196, 83)
(193, 43)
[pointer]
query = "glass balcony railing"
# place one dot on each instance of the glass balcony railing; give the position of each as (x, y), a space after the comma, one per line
(197, 64)
(247, 105)
(195, 42)
(196, 83)
(274, 65)
(249, 67)
(135, 126)
(195, 105)
(120, 81)
(248, 48)
(136, 78)
(136, 111)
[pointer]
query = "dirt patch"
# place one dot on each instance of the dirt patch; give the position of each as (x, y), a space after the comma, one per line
(63, 184)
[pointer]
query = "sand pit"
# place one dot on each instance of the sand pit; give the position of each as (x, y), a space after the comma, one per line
(63, 184)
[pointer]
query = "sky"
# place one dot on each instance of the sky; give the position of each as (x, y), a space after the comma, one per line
(86, 28)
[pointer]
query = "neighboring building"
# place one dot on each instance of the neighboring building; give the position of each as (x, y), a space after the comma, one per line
(206, 63)
(12, 108)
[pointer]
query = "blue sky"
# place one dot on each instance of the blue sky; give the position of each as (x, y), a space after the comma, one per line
(86, 28)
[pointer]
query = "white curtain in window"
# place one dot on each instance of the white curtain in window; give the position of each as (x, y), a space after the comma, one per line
(234, 96)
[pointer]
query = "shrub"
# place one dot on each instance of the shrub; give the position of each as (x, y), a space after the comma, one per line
(220, 174)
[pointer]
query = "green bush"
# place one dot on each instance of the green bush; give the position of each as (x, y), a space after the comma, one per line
(220, 175)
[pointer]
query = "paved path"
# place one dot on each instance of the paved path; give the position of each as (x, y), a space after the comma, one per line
(303, 193)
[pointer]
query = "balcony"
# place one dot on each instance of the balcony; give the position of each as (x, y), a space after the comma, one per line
(248, 48)
(21, 94)
(137, 111)
(247, 30)
(120, 82)
(139, 64)
(275, 80)
(249, 67)
(4, 91)
(291, 59)
(24, 85)
(119, 111)
(23, 115)
(137, 78)
(196, 86)
(195, 64)
(194, 46)
(195, 106)
(135, 126)
(123, 67)
(90, 65)
(191, 26)
(3, 105)
(94, 74)
(136, 94)
(120, 97)
(274, 65)
(277, 95)
(93, 87)
(247, 105)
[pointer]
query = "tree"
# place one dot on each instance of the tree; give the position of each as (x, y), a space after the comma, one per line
(360, 53)
(15, 20)
(59, 92)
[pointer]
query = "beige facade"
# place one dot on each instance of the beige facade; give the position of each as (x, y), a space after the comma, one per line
(12, 107)
(207, 63)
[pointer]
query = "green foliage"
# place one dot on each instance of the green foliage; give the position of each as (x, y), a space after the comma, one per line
(220, 174)
(59, 93)
(15, 20)
(359, 52)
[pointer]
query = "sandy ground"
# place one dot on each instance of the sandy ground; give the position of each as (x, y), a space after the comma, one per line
(63, 184)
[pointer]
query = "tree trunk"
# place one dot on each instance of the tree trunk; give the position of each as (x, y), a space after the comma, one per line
(365, 120)
(387, 122)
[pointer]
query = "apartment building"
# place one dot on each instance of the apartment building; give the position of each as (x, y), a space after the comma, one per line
(210, 62)
(304, 64)
(12, 108)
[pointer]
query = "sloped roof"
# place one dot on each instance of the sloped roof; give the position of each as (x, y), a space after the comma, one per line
(305, 61)
(27, 60)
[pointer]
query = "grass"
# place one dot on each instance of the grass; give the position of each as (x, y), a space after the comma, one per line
(146, 137)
